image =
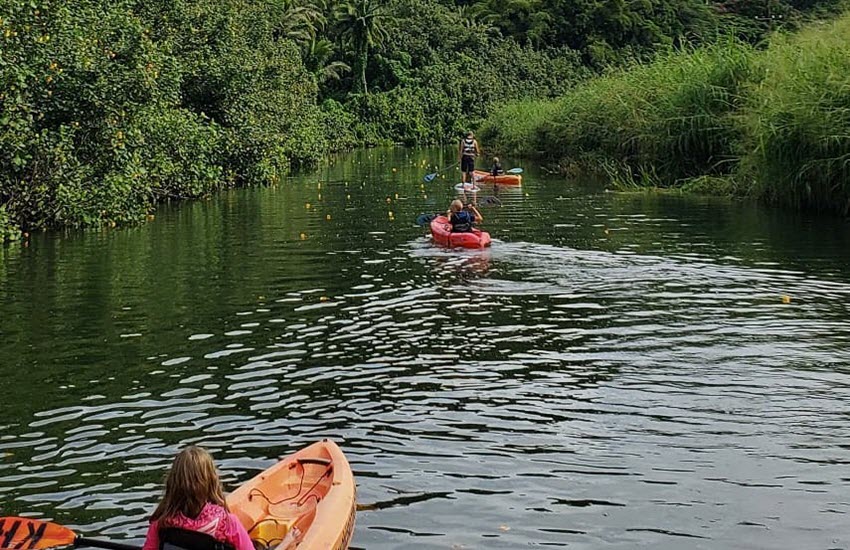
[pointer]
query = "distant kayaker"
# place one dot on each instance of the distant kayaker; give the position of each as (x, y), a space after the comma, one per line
(496, 170)
(194, 504)
(463, 219)
(468, 151)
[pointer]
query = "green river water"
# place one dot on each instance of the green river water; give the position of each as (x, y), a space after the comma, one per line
(618, 371)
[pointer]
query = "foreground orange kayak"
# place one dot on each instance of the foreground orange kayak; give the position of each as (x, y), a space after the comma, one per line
(504, 179)
(311, 490)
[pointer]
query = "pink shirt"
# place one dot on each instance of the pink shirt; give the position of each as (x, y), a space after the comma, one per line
(213, 520)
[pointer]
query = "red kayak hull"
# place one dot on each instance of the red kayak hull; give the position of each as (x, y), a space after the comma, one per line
(441, 231)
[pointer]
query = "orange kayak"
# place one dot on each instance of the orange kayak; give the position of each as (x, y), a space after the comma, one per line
(311, 490)
(504, 179)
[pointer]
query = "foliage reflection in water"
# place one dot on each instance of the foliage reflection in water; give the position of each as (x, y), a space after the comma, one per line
(617, 371)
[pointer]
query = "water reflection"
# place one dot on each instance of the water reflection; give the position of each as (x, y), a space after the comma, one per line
(616, 371)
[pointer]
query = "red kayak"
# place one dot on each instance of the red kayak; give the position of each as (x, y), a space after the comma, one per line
(441, 231)
(504, 179)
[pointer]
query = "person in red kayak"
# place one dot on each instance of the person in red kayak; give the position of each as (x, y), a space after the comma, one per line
(193, 514)
(463, 219)
(468, 151)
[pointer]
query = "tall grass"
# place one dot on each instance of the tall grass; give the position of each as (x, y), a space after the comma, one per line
(514, 128)
(773, 124)
(664, 121)
(796, 118)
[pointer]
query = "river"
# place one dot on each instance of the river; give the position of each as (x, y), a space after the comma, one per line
(618, 371)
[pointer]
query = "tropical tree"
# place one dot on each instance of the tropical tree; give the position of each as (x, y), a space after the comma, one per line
(363, 26)
(297, 20)
(318, 60)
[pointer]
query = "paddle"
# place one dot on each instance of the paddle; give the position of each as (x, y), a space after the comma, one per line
(33, 534)
(424, 219)
(430, 177)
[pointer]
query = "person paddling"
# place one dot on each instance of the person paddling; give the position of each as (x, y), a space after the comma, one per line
(496, 170)
(463, 219)
(193, 513)
(468, 151)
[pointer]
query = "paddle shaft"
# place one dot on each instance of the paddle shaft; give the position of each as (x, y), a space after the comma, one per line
(434, 175)
(108, 545)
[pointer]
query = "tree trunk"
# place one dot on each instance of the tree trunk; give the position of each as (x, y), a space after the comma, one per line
(362, 59)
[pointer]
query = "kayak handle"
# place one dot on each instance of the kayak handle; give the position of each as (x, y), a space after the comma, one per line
(319, 461)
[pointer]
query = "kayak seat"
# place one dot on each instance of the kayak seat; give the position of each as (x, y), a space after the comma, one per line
(174, 538)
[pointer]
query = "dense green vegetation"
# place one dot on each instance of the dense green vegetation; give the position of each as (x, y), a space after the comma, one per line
(107, 108)
(726, 118)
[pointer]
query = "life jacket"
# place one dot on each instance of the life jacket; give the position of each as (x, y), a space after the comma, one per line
(497, 170)
(468, 147)
(175, 538)
(462, 221)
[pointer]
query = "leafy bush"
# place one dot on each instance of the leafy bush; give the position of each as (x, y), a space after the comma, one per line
(109, 107)
(450, 74)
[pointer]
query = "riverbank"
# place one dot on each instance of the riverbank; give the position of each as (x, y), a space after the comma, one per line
(108, 109)
(726, 119)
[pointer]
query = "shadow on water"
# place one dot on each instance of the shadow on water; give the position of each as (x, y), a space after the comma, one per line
(617, 371)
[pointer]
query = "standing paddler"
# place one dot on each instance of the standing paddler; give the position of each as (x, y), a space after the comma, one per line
(468, 151)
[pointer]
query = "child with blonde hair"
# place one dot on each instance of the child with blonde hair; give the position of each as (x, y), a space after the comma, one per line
(463, 218)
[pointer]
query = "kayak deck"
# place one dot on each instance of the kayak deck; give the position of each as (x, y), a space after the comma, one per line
(312, 490)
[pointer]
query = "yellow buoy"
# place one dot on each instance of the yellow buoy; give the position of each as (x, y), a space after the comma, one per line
(389, 200)
(307, 206)
(786, 299)
(303, 236)
(394, 170)
(328, 217)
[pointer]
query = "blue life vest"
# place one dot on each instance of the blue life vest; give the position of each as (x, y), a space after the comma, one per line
(462, 221)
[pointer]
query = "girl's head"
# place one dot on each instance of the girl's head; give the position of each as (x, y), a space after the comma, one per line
(495, 160)
(470, 135)
(456, 206)
(191, 483)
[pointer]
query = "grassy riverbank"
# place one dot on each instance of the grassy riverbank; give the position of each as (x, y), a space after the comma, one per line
(728, 119)
(108, 108)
